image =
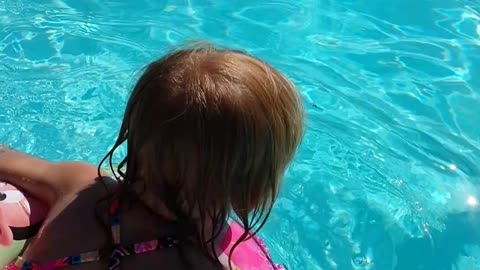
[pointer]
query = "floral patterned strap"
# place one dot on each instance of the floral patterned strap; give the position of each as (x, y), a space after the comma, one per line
(115, 258)
(139, 248)
(22, 264)
(115, 218)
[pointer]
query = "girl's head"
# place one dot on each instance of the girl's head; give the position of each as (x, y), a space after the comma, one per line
(210, 131)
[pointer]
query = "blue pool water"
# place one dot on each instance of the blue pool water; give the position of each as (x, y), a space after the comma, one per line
(388, 175)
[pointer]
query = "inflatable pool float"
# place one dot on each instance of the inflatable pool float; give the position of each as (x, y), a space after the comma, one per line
(251, 254)
(20, 218)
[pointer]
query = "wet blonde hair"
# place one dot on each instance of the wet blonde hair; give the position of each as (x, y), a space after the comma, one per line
(211, 131)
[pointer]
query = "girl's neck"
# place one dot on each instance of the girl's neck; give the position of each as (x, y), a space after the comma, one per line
(159, 208)
(155, 205)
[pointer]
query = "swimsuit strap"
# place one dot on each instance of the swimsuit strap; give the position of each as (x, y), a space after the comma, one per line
(22, 264)
(118, 253)
(139, 248)
(115, 221)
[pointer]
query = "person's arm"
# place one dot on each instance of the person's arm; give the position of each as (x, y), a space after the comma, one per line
(43, 179)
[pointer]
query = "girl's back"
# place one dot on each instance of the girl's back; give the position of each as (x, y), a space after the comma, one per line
(72, 227)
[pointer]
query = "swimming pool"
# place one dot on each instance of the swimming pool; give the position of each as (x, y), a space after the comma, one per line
(388, 175)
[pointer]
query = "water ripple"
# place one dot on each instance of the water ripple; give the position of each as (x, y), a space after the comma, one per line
(392, 95)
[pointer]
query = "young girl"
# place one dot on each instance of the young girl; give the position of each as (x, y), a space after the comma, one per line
(209, 132)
